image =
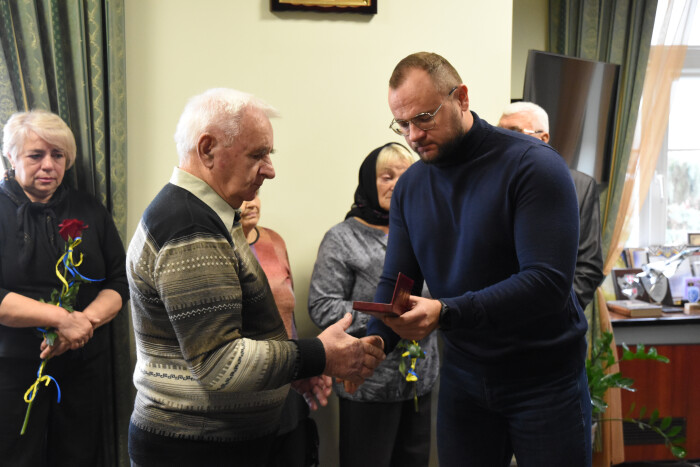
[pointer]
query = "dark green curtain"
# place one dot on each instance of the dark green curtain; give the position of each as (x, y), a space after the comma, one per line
(7, 99)
(68, 56)
(615, 31)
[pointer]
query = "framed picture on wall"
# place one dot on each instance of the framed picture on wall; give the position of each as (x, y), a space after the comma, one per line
(336, 6)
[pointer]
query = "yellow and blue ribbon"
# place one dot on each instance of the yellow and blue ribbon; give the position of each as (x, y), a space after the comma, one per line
(34, 388)
(70, 267)
(414, 351)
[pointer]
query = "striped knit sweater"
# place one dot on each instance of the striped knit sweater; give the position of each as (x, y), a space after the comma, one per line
(214, 361)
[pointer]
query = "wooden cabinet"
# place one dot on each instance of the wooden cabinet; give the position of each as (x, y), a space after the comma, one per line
(672, 388)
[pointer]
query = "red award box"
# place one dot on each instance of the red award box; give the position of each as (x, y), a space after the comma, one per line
(399, 302)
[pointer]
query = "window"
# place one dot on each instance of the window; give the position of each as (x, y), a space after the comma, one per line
(672, 207)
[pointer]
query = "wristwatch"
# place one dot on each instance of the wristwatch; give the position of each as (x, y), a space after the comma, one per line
(446, 317)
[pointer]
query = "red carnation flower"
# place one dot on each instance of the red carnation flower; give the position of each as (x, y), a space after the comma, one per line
(71, 229)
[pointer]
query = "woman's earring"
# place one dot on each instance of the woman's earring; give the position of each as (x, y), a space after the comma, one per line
(11, 172)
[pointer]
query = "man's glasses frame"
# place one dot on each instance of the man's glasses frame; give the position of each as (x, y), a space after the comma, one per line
(524, 130)
(424, 121)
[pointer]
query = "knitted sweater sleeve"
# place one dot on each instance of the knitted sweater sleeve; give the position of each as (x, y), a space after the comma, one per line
(188, 308)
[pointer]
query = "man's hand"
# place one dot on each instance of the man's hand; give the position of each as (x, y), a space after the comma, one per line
(422, 319)
(347, 357)
(315, 390)
(375, 341)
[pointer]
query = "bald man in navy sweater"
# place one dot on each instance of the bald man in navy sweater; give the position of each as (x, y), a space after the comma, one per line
(489, 219)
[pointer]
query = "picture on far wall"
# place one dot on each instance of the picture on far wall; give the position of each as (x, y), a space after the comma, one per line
(336, 6)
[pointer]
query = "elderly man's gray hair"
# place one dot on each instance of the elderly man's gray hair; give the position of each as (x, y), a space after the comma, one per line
(217, 108)
(539, 113)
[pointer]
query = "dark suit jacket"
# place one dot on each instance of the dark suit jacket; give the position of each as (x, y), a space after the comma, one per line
(589, 262)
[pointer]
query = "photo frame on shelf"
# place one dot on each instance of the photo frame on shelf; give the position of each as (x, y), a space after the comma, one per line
(335, 6)
(694, 239)
(627, 285)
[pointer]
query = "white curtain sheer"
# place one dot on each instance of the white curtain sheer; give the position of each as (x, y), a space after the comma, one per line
(672, 28)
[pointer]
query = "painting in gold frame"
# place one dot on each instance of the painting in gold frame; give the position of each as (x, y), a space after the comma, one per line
(337, 6)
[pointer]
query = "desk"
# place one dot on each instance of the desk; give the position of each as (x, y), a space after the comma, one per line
(669, 329)
(671, 388)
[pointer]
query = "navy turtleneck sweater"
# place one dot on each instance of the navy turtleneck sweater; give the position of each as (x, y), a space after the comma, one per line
(493, 230)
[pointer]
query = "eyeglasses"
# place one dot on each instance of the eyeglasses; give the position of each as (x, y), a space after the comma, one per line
(424, 121)
(524, 130)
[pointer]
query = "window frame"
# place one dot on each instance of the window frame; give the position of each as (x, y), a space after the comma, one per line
(652, 232)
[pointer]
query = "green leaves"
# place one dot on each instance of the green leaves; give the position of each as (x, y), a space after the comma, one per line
(603, 358)
(69, 298)
(412, 347)
(678, 452)
(402, 368)
(661, 426)
(412, 350)
(50, 337)
(599, 381)
(641, 354)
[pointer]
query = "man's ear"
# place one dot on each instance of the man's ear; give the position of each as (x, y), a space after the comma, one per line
(205, 145)
(545, 137)
(463, 95)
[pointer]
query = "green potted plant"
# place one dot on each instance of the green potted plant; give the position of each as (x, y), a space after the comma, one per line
(599, 381)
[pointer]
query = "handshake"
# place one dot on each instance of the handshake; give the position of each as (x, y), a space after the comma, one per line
(348, 359)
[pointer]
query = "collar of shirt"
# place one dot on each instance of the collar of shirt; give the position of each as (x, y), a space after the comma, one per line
(206, 194)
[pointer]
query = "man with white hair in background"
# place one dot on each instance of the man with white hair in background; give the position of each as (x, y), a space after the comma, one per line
(531, 119)
(214, 362)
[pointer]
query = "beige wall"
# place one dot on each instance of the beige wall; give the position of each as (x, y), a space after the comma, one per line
(327, 74)
(529, 32)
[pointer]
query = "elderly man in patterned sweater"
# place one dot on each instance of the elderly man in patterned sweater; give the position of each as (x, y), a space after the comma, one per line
(214, 362)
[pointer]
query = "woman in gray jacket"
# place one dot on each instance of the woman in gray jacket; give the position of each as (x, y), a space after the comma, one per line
(379, 423)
